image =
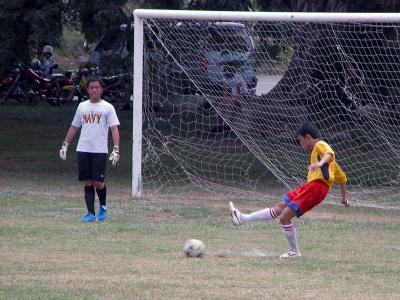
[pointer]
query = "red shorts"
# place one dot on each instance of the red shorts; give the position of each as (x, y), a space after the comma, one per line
(305, 197)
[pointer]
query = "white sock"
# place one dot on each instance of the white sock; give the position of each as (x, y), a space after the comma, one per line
(290, 233)
(261, 215)
(104, 207)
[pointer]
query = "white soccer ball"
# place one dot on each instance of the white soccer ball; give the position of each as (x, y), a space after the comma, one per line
(194, 248)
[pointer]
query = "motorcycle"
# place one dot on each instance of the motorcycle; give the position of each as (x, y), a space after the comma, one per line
(28, 85)
(114, 88)
(76, 92)
(117, 88)
(11, 87)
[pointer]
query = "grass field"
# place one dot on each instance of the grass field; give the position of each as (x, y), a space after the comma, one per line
(46, 253)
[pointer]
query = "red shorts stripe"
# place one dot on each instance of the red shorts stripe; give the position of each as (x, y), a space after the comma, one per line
(307, 196)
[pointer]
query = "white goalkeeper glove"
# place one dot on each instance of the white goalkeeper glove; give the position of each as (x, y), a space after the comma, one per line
(63, 151)
(114, 156)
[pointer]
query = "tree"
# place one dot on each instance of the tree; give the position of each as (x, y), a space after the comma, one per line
(162, 4)
(234, 5)
(99, 16)
(270, 5)
(329, 5)
(25, 27)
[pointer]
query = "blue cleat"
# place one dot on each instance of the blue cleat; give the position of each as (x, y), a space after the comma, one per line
(89, 218)
(102, 216)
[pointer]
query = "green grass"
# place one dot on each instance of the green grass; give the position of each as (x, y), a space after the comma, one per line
(46, 253)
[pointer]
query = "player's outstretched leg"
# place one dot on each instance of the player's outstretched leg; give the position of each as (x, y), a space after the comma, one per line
(266, 214)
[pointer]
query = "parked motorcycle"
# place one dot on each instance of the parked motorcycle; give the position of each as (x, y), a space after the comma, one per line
(117, 88)
(114, 89)
(12, 86)
(28, 85)
(76, 92)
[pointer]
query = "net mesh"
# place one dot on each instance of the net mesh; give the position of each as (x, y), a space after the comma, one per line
(223, 100)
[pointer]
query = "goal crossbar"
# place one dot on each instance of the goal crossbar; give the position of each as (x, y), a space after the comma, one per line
(267, 16)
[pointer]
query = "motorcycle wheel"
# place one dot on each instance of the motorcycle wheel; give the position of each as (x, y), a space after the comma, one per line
(3, 93)
(59, 96)
(24, 97)
(67, 97)
(24, 92)
(7, 91)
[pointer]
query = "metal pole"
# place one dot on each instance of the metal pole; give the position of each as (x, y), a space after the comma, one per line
(268, 16)
(137, 109)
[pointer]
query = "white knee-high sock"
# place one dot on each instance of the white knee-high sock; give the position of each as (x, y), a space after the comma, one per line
(290, 233)
(261, 215)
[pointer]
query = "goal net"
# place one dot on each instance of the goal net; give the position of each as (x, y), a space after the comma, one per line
(222, 99)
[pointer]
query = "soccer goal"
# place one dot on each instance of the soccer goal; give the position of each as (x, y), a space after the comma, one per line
(218, 97)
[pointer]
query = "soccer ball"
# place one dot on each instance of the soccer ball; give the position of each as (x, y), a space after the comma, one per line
(194, 248)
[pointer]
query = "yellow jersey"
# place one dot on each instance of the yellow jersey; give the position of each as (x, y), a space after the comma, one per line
(330, 172)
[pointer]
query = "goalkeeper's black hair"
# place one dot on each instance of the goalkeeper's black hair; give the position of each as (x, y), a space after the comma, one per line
(308, 128)
(93, 79)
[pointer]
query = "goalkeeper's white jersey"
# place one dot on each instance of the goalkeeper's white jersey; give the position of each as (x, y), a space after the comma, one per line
(94, 119)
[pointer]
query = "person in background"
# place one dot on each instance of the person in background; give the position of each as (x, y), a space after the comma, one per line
(234, 89)
(49, 64)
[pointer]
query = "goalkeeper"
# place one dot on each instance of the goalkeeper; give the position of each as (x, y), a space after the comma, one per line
(94, 116)
(322, 173)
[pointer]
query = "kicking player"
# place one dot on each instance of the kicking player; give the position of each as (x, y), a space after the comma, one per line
(323, 172)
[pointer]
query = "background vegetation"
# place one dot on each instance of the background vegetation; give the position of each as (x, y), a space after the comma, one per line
(26, 26)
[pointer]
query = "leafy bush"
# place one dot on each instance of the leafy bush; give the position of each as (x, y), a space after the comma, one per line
(71, 43)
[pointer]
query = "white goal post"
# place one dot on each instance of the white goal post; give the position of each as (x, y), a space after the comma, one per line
(338, 70)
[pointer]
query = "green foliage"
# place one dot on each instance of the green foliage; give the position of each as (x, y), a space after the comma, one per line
(71, 43)
(232, 5)
(331, 5)
(373, 6)
(162, 4)
(97, 17)
(270, 5)
(286, 53)
(46, 26)
(25, 27)
(285, 50)
(13, 37)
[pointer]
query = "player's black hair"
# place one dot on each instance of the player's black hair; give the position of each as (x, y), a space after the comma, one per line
(308, 128)
(93, 79)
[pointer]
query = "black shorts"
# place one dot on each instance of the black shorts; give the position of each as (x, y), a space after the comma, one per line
(91, 166)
